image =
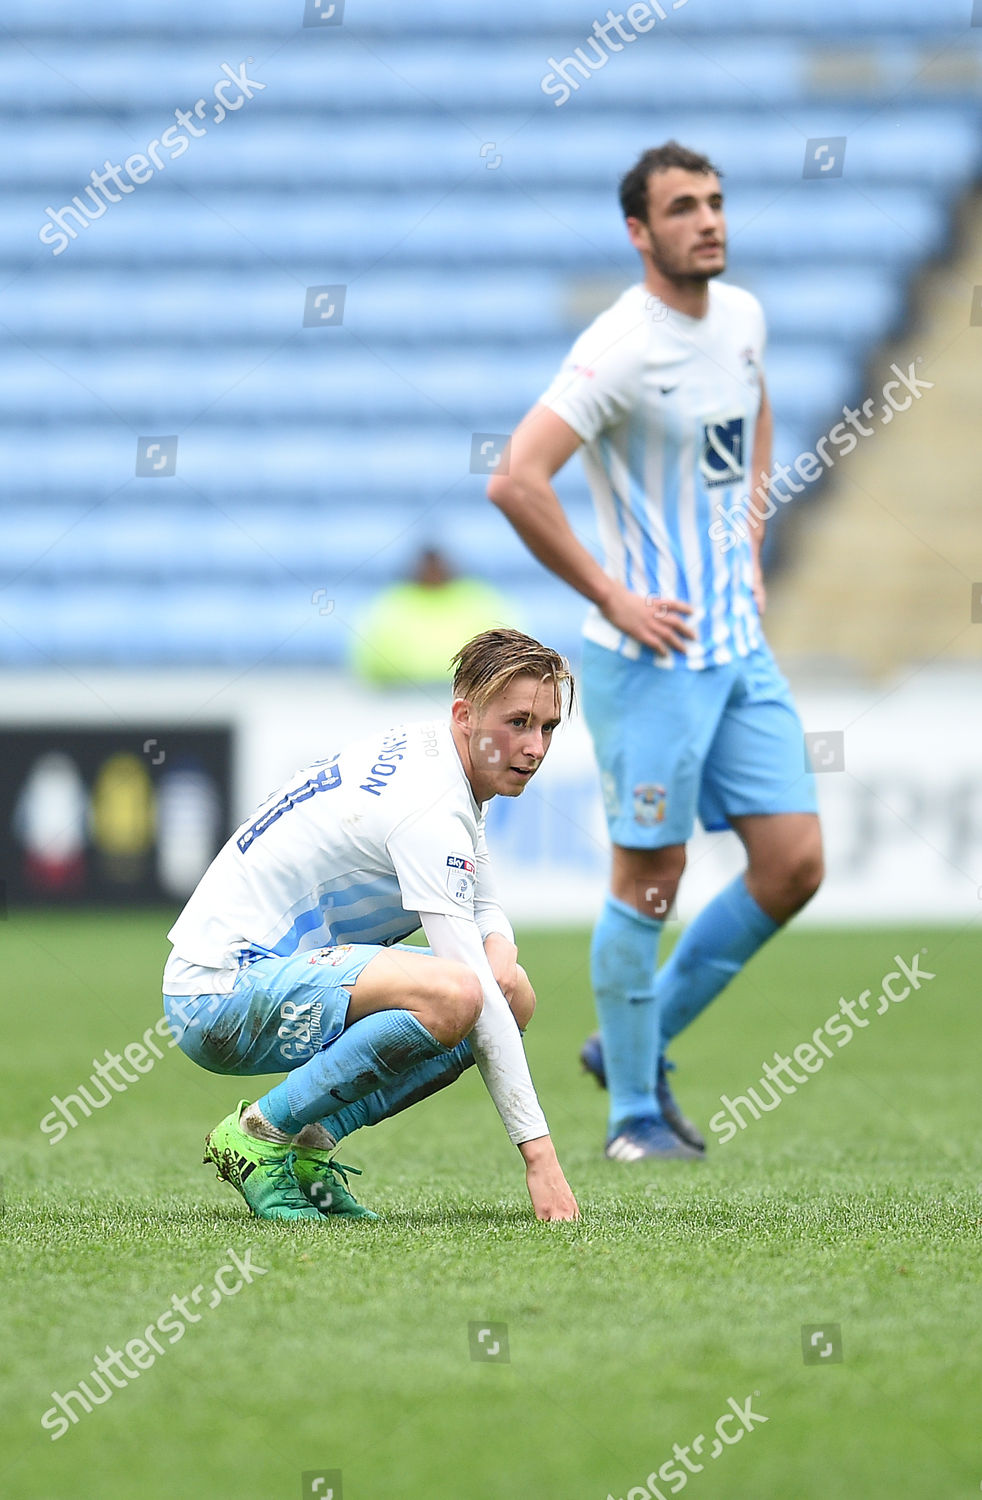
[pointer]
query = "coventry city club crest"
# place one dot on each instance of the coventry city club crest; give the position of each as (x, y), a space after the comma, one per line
(649, 804)
(330, 956)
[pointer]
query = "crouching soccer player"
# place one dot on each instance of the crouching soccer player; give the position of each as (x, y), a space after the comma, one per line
(283, 957)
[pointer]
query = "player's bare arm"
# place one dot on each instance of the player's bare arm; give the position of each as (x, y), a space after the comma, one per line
(540, 446)
(760, 471)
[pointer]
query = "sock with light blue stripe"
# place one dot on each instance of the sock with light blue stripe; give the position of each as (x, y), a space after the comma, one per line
(371, 1054)
(419, 1083)
(623, 955)
(714, 947)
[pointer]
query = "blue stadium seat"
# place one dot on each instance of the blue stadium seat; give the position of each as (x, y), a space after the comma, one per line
(94, 307)
(855, 304)
(149, 79)
(328, 241)
(481, 392)
(475, 227)
(850, 306)
(941, 147)
(390, 16)
(321, 384)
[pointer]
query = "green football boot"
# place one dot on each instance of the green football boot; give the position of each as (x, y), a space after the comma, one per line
(324, 1183)
(260, 1170)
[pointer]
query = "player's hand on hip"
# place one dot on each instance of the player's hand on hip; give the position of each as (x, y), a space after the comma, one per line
(657, 623)
(548, 1189)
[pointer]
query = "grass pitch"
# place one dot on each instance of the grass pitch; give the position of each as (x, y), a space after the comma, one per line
(855, 1204)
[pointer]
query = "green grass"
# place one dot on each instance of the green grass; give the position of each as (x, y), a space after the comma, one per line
(856, 1202)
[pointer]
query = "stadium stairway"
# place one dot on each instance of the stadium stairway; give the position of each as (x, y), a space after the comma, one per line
(420, 163)
(888, 570)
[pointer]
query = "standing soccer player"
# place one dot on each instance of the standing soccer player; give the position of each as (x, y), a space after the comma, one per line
(687, 710)
(283, 959)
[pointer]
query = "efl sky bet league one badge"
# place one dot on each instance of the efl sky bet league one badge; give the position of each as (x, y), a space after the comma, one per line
(332, 956)
(649, 804)
(461, 874)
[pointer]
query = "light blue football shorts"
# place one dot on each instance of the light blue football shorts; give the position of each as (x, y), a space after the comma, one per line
(720, 743)
(278, 1014)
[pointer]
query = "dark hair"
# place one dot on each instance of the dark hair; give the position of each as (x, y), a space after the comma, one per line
(634, 185)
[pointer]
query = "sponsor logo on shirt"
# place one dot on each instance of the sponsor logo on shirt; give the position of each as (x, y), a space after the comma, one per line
(721, 459)
(461, 875)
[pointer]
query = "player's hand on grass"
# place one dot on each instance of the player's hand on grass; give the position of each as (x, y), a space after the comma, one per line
(548, 1189)
(657, 623)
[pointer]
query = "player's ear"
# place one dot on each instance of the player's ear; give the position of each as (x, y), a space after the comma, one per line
(637, 233)
(462, 713)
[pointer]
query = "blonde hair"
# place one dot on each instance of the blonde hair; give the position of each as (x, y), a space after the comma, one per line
(490, 662)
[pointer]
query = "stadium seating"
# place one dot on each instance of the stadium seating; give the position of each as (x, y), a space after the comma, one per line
(415, 160)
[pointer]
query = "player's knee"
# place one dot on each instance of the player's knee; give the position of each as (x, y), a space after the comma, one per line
(522, 1001)
(656, 889)
(648, 879)
(804, 875)
(469, 1001)
(454, 1009)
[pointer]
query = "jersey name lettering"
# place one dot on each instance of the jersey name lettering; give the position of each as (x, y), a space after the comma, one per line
(325, 781)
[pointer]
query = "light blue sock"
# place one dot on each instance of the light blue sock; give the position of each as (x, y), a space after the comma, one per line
(419, 1083)
(623, 955)
(371, 1054)
(714, 947)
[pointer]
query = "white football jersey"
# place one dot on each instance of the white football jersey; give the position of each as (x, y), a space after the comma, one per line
(350, 850)
(667, 406)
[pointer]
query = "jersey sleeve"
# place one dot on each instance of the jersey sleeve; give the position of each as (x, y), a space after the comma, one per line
(488, 912)
(435, 863)
(599, 382)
